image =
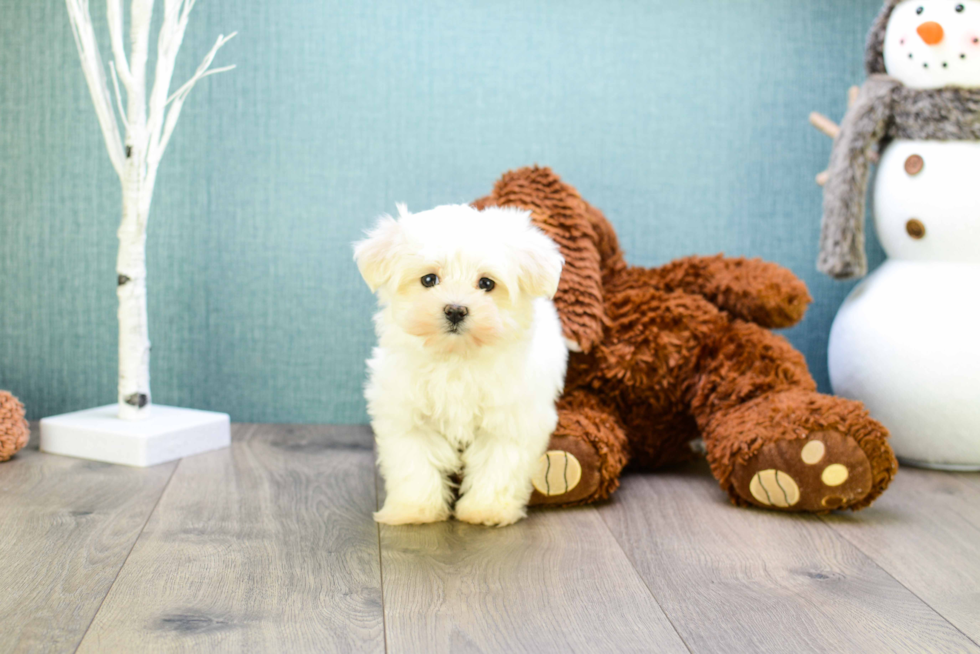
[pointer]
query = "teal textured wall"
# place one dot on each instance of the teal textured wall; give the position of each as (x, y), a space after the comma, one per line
(686, 122)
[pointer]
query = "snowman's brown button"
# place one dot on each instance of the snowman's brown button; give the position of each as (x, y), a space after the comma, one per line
(914, 164)
(915, 228)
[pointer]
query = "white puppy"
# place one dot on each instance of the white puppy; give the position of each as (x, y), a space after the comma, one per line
(469, 363)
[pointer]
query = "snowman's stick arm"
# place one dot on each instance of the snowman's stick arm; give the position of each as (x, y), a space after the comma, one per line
(832, 129)
(824, 124)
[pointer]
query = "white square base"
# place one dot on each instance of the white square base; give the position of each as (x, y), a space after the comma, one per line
(168, 433)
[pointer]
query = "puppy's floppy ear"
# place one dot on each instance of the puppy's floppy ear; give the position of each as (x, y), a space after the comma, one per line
(539, 263)
(376, 255)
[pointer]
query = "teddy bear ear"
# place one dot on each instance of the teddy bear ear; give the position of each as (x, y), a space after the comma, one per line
(539, 263)
(376, 255)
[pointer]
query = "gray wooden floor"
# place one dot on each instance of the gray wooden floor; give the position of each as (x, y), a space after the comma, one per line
(269, 546)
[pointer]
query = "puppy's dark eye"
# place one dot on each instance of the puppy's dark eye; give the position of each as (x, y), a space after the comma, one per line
(919, 10)
(487, 284)
(959, 9)
(430, 280)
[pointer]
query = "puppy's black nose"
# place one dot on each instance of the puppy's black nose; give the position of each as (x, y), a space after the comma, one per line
(455, 313)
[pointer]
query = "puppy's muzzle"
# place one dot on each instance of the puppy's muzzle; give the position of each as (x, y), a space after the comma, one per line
(455, 314)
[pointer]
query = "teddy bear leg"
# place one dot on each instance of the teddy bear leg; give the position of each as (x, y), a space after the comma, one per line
(774, 442)
(585, 456)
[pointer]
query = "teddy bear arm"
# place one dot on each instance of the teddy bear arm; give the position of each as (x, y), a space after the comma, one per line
(592, 258)
(758, 291)
(558, 211)
(581, 327)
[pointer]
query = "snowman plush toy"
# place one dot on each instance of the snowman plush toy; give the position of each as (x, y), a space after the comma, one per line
(906, 342)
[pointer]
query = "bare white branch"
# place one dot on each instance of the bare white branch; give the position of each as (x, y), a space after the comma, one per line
(168, 43)
(180, 94)
(114, 15)
(92, 67)
(119, 104)
(202, 70)
(140, 18)
(188, 5)
(184, 90)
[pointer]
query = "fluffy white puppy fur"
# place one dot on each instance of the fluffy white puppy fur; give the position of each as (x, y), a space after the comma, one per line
(469, 362)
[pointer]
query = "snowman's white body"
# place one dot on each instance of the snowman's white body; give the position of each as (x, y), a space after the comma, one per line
(906, 342)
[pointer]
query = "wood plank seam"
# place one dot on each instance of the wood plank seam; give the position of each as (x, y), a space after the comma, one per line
(149, 515)
(643, 579)
(853, 544)
(381, 563)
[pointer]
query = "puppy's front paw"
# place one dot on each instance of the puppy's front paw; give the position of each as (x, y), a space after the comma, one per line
(398, 513)
(494, 514)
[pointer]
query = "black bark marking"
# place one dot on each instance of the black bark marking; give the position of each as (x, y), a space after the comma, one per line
(129, 151)
(138, 399)
(122, 279)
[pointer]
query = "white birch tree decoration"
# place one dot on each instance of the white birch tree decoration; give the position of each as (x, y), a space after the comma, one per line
(148, 123)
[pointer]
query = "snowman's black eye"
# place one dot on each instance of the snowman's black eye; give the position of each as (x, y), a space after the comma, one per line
(430, 280)
(487, 284)
(919, 10)
(960, 8)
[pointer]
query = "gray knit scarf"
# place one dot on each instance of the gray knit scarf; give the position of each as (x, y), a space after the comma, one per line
(884, 110)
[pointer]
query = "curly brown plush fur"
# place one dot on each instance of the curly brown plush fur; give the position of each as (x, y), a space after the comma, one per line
(14, 432)
(683, 351)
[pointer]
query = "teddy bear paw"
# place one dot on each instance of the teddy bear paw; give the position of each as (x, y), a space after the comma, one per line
(825, 471)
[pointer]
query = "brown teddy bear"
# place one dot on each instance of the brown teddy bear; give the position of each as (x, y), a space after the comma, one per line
(664, 356)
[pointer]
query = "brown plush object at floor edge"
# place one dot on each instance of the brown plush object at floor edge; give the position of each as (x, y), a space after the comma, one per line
(14, 432)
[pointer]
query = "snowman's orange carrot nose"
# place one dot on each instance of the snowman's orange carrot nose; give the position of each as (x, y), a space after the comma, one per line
(931, 32)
